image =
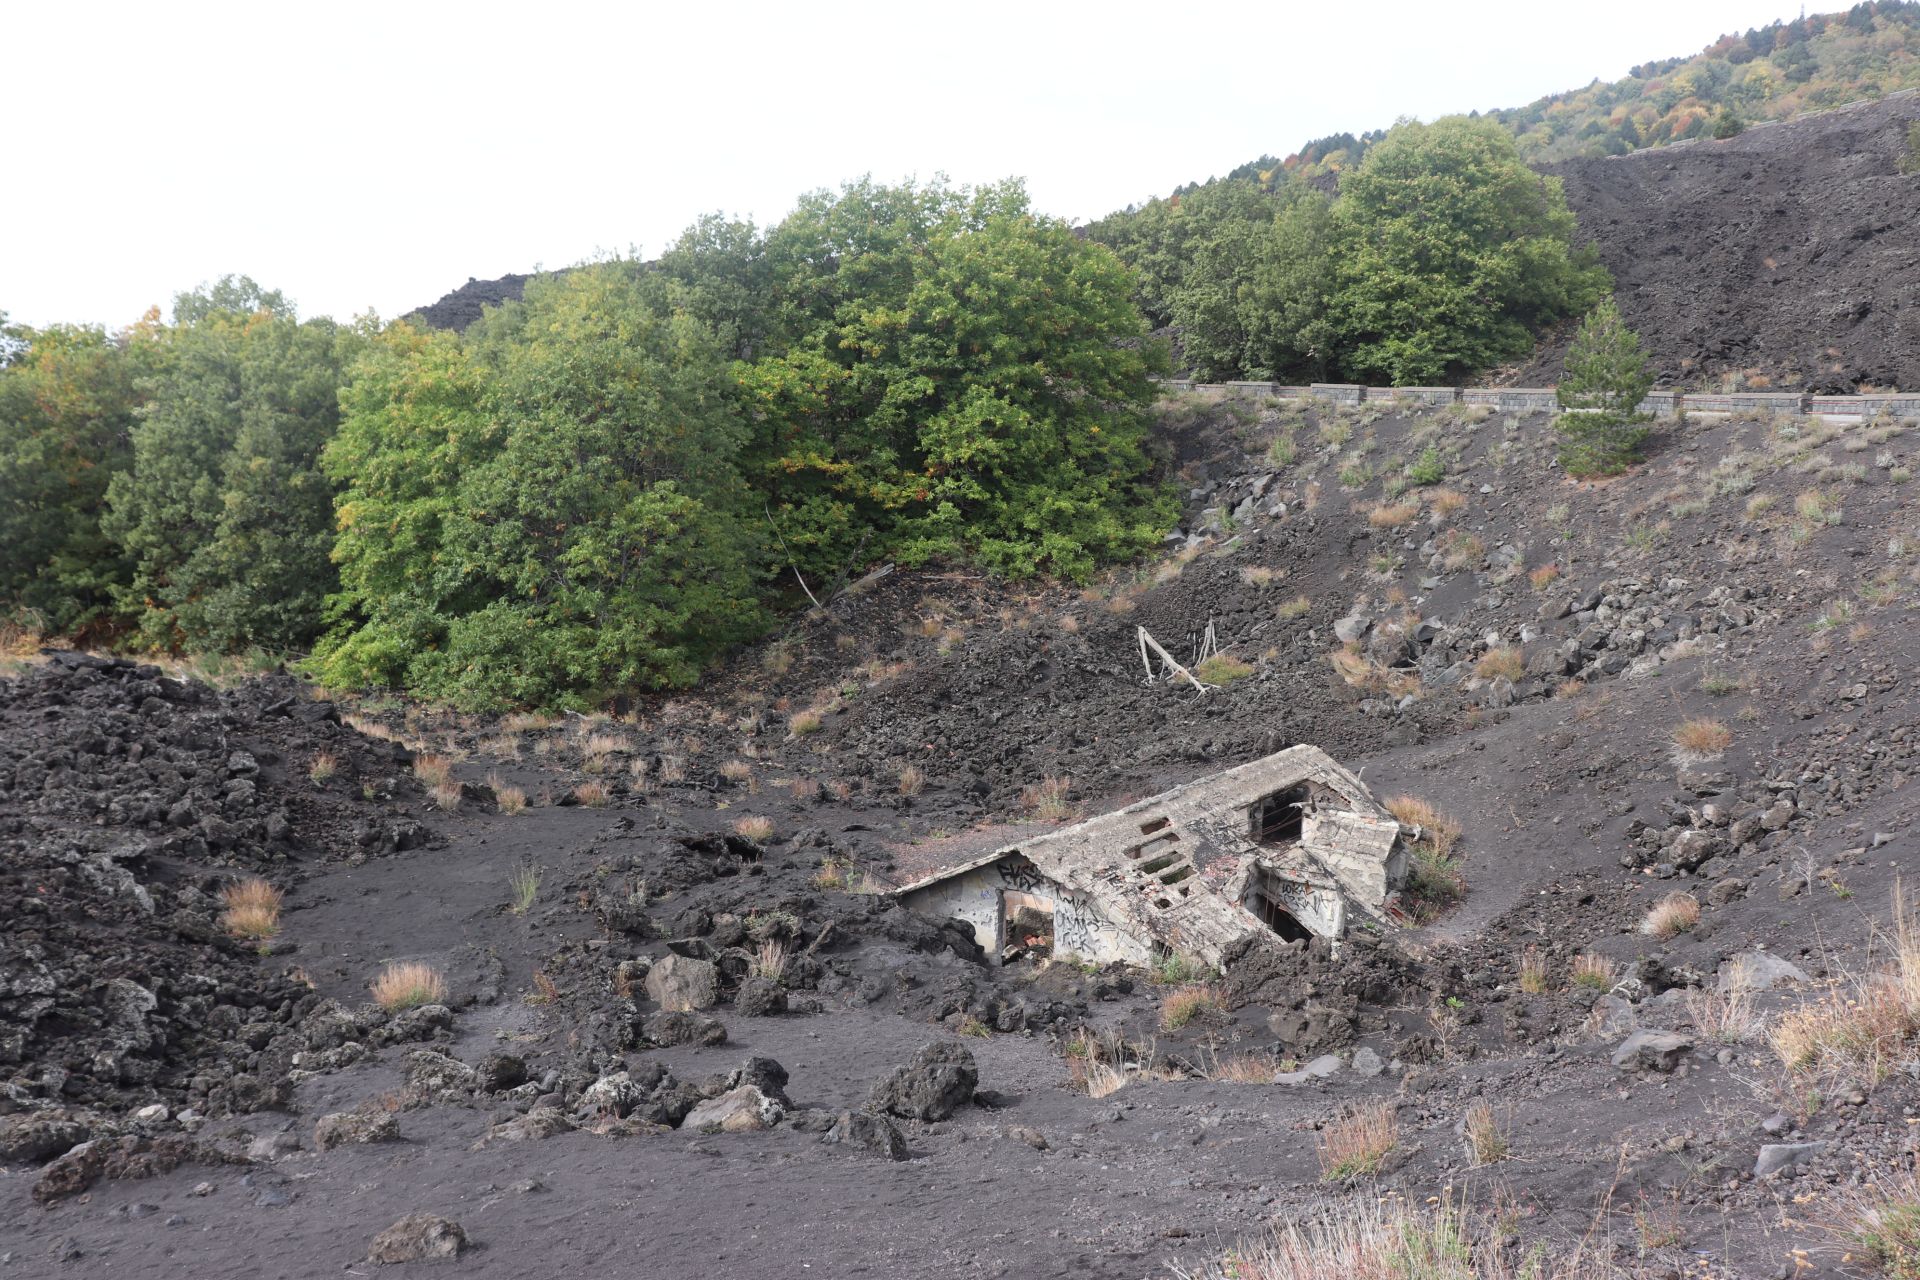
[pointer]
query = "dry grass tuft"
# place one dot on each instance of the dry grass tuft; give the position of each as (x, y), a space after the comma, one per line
(913, 780)
(802, 723)
(603, 744)
(1700, 739)
(1446, 502)
(447, 795)
(322, 767)
(1672, 915)
(252, 909)
(1392, 1238)
(1435, 881)
(1243, 1068)
(1883, 1223)
(432, 770)
(834, 873)
(1296, 607)
(1259, 575)
(1391, 515)
(1461, 550)
(754, 828)
(1356, 1143)
(524, 882)
(1432, 823)
(1047, 798)
(406, 984)
(1095, 1065)
(1544, 576)
(1594, 972)
(769, 960)
(1863, 1029)
(740, 774)
(1178, 1008)
(594, 795)
(1723, 1016)
(1487, 1141)
(509, 798)
(1533, 972)
(1504, 663)
(367, 727)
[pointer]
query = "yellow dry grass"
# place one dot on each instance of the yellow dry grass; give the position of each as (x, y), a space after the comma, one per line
(754, 828)
(1866, 1026)
(1701, 738)
(252, 909)
(1672, 915)
(405, 984)
(1391, 515)
(1178, 1008)
(1355, 1144)
(432, 770)
(1504, 663)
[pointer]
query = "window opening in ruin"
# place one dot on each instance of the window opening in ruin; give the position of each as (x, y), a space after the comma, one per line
(1029, 920)
(1156, 824)
(1278, 818)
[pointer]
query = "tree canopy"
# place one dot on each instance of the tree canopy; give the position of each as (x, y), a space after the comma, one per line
(1439, 254)
(222, 511)
(602, 486)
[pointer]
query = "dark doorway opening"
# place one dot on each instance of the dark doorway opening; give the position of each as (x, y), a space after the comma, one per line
(1029, 925)
(1279, 919)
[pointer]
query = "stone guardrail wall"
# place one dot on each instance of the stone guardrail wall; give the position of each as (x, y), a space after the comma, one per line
(1660, 404)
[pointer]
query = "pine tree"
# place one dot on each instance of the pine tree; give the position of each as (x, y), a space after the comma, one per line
(1607, 376)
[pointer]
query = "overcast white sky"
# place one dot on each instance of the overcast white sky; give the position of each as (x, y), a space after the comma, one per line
(375, 156)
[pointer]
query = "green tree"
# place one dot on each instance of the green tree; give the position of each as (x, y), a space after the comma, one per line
(548, 511)
(1288, 333)
(68, 400)
(1227, 225)
(1448, 253)
(1607, 376)
(223, 512)
(963, 377)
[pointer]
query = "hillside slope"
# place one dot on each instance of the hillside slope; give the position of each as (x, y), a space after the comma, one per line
(1788, 254)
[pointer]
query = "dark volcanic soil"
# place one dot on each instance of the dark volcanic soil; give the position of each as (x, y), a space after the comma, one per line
(1790, 252)
(463, 306)
(254, 1114)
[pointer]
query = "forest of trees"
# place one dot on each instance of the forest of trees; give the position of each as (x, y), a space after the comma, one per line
(599, 487)
(602, 486)
(1437, 255)
(1255, 271)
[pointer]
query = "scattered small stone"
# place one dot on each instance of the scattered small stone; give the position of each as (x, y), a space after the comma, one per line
(1319, 1069)
(679, 983)
(1651, 1051)
(344, 1128)
(867, 1132)
(1778, 1157)
(739, 1110)
(940, 1080)
(1032, 1137)
(418, 1237)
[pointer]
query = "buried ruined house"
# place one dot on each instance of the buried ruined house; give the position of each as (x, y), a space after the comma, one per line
(1292, 844)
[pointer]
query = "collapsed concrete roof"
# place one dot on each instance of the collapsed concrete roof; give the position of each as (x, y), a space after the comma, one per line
(1292, 843)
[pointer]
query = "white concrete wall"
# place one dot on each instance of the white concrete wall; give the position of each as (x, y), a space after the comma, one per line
(1080, 930)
